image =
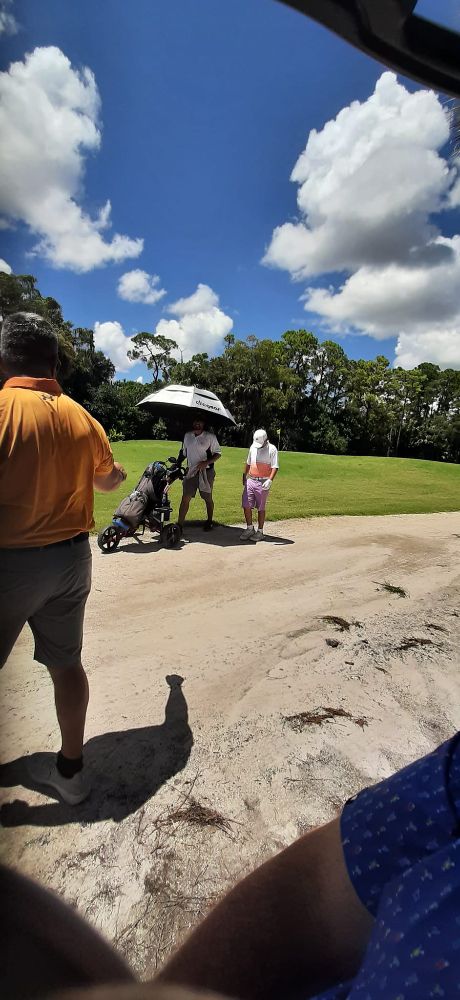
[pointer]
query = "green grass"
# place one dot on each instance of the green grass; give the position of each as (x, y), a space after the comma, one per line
(306, 486)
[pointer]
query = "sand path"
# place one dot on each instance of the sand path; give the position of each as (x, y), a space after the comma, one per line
(185, 802)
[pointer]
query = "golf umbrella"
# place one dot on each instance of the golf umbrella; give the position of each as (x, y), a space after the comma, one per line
(186, 403)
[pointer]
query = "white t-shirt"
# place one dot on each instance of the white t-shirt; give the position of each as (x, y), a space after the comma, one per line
(195, 447)
(261, 461)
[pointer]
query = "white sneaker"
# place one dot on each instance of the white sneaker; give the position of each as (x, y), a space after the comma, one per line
(42, 769)
(247, 533)
(258, 534)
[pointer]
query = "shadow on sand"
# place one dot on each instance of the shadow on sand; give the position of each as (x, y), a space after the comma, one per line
(127, 768)
(222, 535)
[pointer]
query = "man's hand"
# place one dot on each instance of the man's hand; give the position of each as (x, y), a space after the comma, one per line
(266, 485)
(118, 466)
(106, 484)
(202, 466)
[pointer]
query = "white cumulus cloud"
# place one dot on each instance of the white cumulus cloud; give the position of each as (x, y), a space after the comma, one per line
(369, 184)
(50, 113)
(138, 286)
(200, 325)
(414, 348)
(4, 267)
(201, 301)
(110, 338)
(140, 380)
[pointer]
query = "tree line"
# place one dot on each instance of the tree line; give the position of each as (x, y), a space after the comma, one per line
(307, 393)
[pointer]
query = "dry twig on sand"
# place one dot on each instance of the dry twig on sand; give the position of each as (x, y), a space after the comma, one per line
(413, 641)
(301, 720)
(341, 623)
(200, 815)
(391, 588)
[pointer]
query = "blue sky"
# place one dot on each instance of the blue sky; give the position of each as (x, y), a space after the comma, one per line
(204, 111)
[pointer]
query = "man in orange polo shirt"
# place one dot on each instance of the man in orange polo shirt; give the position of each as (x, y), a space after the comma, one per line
(52, 455)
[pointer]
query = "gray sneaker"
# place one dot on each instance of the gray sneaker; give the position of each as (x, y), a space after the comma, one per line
(258, 535)
(246, 534)
(42, 769)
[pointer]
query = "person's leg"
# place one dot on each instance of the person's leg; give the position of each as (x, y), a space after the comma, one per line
(71, 696)
(21, 585)
(261, 500)
(209, 507)
(183, 509)
(46, 949)
(248, 504)
(10, 630)
(189, 488)
(293, 927)
(208, 499)
(261, 519)
(58, 633)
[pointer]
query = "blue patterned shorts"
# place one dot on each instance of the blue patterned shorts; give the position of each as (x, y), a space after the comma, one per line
(402, 850)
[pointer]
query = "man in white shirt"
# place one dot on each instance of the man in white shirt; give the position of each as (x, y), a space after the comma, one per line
(201, 449)
(260, 471)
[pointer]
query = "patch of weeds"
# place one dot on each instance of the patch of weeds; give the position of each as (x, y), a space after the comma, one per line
(360, 721)
(391, 588)
(341, 623)
(437, 628)
(414, 641)
(301, 720)
(333, 643)
(197, 814)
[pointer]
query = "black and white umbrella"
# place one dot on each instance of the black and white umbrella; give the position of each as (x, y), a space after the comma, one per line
(187, 402)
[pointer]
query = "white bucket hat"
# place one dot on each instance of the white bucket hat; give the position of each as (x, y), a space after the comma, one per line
(260, 438)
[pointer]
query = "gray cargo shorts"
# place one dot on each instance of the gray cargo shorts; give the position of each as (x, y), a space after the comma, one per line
(48, 588)
(191, 485)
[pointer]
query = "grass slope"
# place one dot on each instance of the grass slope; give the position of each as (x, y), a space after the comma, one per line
(306, 486)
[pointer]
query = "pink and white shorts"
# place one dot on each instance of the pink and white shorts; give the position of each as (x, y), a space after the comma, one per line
(254, 496)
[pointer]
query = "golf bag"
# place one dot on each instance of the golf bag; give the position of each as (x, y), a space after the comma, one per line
(147, 494)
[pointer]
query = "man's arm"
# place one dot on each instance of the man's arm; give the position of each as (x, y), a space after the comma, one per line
(108, 475)
(213, 459)
(273, 471)
(111, 481)
(293, 927)
(245, 473)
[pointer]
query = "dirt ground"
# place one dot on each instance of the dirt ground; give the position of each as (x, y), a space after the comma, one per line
(282, 714)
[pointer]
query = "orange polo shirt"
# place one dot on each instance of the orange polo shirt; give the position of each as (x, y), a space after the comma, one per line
(50, 450)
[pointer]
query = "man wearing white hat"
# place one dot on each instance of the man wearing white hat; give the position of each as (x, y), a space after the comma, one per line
(260, 471)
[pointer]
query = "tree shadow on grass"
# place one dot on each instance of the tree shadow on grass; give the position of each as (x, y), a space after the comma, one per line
(127, 768)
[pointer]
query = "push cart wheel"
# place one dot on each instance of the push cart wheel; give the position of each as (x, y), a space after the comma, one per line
(108, 538)
(171, 535)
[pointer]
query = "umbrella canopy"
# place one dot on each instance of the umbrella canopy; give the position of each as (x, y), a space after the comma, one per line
(186, 402)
